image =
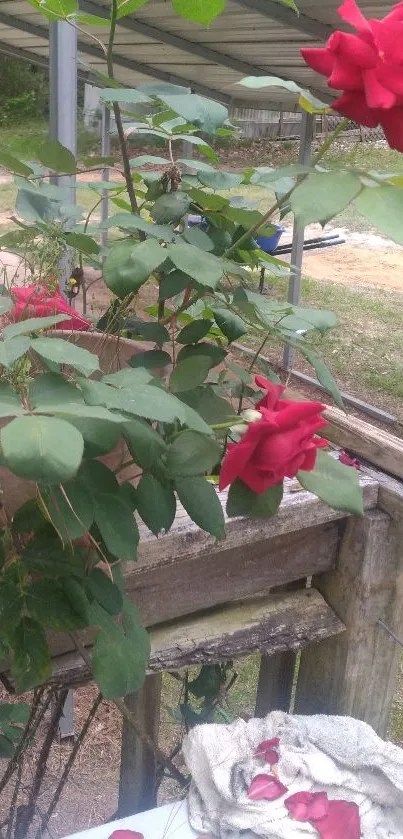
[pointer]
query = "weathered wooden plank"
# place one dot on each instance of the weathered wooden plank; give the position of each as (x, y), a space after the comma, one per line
(269, 625)
(137, 787)
(374, 444)
(181, 582)
(355, 674)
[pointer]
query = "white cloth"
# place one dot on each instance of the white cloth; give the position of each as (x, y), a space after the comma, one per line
(338, 755)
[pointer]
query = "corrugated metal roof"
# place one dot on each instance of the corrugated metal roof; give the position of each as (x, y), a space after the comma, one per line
(251, 37)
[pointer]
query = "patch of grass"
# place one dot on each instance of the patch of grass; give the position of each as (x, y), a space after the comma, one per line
(365, 350)
(23, 140)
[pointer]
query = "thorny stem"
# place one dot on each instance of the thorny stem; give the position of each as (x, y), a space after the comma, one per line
(66, 771)
(131, 719)
(29, 732)
(27, 814)
(282, 201)
(118, 118)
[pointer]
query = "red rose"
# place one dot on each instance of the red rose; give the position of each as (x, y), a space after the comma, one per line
(368, 67)
(277, 445)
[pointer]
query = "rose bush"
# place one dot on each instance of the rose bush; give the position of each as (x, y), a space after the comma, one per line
(368, 67)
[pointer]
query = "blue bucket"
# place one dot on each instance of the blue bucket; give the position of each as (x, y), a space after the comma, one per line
(197, 221)
(268, 244)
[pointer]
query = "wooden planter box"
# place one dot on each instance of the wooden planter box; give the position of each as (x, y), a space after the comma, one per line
(311, 579)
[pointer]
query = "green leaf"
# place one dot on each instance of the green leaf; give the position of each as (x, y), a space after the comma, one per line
(173, 283)
(334, 483)
(124, 95)
(71, 516)
(42, 449)
(200, 11)
(65, 352)
(51, 388)
(11, 350)
(189, 373)
(47, 603)
(151, 359)
(131, 222)
(126, 7)
(208, 201)
(202, 504)
(31, 663)
(192, 454)
(150, 330)
(197, 237)
(383, 207)
(11, 598)
(28, 517)
(144, 443)
(100, 436)
(55, 156)
(83, 243)
(119, 660)
(194, 332)
(33, 206)
(323, 373)
(198, 110)
(145, 159)
(242, 501)
(156, 504)
(129, 265)
(230, 324)
(214, 354)
(18, 238)
(127, 376)
(321, 196)
(13, 165)
(46, 556)
(217, 179)
(170, 208)
(203, 267)
(208, 405)
(10, 405)
(260, 82)
(117, 526)
(25, 327)
(105, 592)
(96, 475)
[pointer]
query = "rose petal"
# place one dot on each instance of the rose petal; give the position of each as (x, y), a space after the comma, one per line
(267, 744)
(342, 821)
(307, 806)
(319, 59)
(392, 124)
(350, 12)
(347, 460)
(354, 106)
(266, 788)
(126, 834)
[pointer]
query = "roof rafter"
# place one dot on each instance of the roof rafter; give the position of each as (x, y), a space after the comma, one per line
(283, 14)
(183, 44)
(35, 58)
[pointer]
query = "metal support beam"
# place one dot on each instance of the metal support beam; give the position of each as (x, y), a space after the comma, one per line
(34, 58)
(294, 285)
(105, 151)
(63, 109)
(281, 13)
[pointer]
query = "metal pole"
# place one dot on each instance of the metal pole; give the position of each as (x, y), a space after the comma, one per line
(105, 151)
(63, 108)
(294, 285)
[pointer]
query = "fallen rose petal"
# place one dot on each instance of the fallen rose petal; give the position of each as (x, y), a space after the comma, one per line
(341, 822)
(268, 750)
(348, 460)
(266, 788)
(307, 806)
(126, 834)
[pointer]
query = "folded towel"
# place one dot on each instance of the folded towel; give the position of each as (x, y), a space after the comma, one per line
(339, 755)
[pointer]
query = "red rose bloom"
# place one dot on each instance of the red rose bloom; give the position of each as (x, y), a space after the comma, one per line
(368, 67)
(278, 445)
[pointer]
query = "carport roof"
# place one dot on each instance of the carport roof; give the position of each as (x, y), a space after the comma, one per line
(251, 37)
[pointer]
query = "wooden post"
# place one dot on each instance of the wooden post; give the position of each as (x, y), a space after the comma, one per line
(355, 673)
(276, 677)
(137, 790)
